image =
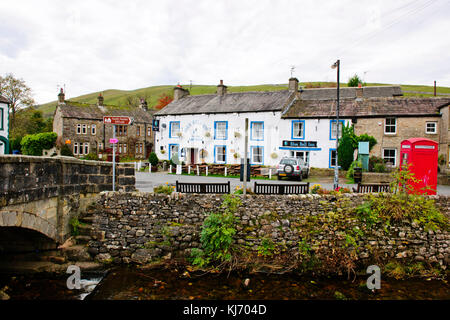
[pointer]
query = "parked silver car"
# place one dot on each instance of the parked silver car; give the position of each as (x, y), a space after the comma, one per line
(292, 168)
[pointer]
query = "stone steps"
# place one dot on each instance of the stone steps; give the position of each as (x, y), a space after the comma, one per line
(86, 219)
(83, 239)
(85, 229)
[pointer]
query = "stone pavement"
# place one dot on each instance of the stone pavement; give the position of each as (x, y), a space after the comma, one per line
(145, 181)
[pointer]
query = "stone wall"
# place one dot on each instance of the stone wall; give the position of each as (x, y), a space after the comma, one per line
(141, 227)
(43, 193)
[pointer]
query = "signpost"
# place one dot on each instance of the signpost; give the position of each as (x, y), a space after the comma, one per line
(115, 120)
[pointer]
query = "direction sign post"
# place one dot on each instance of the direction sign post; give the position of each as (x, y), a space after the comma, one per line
(115, 120)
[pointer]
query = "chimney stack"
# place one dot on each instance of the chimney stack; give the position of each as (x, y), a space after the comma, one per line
(359, 92)
(179, 92)
(293, 84)
(221, 89)
(143, 105)
(61, 97)
(100, 100)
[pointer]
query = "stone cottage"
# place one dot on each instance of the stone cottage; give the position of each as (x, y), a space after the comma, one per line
(82, 128)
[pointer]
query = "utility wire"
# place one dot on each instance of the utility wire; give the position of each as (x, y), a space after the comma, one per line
(389, 25)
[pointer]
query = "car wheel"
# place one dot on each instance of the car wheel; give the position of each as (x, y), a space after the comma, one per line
(279, 177)
(300, 177)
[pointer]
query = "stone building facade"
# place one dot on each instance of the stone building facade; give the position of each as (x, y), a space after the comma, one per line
(390, 120)
(82, 128)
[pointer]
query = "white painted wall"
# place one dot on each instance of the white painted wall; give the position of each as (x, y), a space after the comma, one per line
(194, 127)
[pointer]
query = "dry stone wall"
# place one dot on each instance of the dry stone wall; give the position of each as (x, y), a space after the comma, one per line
(143, 227)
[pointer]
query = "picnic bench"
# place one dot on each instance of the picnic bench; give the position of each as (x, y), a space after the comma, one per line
(197, 187)
(372, 187)
(272, 188)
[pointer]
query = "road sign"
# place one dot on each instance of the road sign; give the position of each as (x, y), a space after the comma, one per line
(112, 140)
(117, 120)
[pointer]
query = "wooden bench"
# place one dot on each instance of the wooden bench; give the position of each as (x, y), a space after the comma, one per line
(196, 187)
(272, 188)
(372, 187)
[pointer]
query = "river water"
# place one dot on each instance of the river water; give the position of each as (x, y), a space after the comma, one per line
(159, 284)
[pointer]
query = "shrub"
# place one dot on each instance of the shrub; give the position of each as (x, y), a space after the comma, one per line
(90, 156)
(66, 151)
(33, 144)
(164, 189)
(351, 171)
(373, 160)
(217, 234)
(153, 159)
(402, 204)
(379, 167)
(354, 81)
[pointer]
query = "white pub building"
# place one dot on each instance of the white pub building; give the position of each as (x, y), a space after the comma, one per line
(211, 128)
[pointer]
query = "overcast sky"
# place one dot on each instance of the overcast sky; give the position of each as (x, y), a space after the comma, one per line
(97, 45)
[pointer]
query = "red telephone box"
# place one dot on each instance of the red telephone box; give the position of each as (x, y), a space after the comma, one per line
(421, 155)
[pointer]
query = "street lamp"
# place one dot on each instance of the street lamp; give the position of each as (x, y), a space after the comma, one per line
(336, 168)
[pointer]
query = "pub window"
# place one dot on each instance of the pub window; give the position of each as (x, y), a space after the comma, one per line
(93, 129)
(100, 146)
(431, 127)
(174, 129)
(149, 131)
(298, 129)
(138, 131)
(334, 128)
(390, 126)
(84, 129)
(125, 146)
(220, 130)
(120, 148)
(75, 148)
(257, 130)
(121, 130)
(86, 148)
(221, 154)
(136, 148)
(257, 154)
(332, 158)
(78, 128)
(390, 155)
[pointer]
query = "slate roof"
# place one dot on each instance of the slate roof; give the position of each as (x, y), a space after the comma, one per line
(228, 103)
(4, 100)
(265, 101)
(350, 92)
(366, 108)
(94, 112)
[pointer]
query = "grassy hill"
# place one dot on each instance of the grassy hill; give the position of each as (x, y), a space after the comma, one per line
(121, 98)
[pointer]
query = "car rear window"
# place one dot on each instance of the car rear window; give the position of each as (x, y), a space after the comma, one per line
(288, 161)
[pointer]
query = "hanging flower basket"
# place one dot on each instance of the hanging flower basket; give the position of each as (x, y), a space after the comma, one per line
(203, 153)
(237, 135)
(274, 155)
(236, 155)
(207, 134)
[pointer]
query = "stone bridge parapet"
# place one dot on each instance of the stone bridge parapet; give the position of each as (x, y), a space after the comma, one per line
(43, 193)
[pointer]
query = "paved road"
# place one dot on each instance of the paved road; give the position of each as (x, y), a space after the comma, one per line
(145, 181)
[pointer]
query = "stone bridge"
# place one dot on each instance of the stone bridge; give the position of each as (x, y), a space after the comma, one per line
(44, 193)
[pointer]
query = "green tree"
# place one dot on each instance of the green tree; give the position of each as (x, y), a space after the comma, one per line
(348, 143)
(354, 81)
(153, 159)
(33, 144)
(17, 92)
